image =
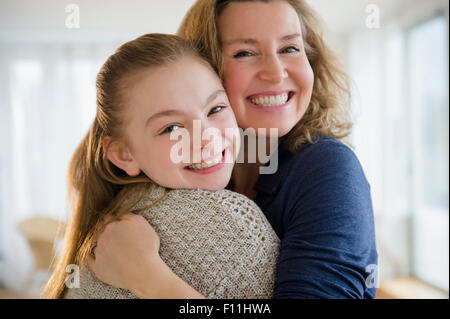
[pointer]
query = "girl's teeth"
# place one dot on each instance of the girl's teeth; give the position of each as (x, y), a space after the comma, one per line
(207, 164)
(272, 100)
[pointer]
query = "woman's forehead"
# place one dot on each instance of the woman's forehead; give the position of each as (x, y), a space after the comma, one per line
(249, 20)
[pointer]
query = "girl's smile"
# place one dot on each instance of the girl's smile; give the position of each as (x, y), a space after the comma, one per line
(209, 166)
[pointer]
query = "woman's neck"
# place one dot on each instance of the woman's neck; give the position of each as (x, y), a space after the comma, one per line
(244, 177)
(246, 174)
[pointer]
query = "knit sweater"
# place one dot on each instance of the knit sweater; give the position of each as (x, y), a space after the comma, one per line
(219, 242)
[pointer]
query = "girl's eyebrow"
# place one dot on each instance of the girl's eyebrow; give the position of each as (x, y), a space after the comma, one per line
(164, 113)
(254, 41)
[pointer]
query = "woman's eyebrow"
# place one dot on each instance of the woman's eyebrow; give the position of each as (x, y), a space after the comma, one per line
(291, 36)
(254, 41)
(164, 113)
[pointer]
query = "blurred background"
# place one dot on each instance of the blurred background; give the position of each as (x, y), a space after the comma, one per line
(396, 52)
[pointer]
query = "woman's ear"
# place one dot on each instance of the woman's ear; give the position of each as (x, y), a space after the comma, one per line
(118, 154)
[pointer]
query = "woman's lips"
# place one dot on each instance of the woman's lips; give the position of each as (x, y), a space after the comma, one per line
(269, 93)
(271, 101)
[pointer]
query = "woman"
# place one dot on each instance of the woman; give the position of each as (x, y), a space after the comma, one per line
(278, 73)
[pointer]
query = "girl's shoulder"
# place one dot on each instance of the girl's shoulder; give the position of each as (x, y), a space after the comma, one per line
(207, 236)
(158, 195)
(204, 202)
(223, 205)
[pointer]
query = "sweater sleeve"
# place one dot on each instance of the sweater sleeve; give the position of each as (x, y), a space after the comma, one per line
(329, 239)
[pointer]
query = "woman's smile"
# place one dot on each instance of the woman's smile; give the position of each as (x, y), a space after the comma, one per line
(271, 101)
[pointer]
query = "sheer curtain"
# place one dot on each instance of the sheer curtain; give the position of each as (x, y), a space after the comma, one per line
(402, 140)
(47, 102)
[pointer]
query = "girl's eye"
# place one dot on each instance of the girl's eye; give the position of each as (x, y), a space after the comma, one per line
(242, 54)
(291, 49)
(170, 129)
(216, 109)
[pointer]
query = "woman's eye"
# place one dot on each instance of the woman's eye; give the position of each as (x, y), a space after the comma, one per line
(291, 49)
(170, 129)
(242, 54)
(217, 109)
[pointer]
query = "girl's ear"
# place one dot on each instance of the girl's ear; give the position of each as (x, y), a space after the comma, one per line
(119, 154)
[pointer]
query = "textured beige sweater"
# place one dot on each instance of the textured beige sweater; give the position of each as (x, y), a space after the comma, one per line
(218, 242)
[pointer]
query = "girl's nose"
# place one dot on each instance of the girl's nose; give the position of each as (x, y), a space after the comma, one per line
(273, 70)
(207, 142)
(211, 140)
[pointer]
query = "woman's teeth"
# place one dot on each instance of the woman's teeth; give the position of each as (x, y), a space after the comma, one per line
(207, 164)
(270, 100)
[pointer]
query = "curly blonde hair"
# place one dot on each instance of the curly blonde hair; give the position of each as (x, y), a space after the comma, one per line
(328, 113)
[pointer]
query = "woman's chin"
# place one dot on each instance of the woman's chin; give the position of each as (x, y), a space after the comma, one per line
(264, 130)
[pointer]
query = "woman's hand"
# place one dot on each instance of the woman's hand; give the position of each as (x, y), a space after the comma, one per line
(126, 251)
(126, 256)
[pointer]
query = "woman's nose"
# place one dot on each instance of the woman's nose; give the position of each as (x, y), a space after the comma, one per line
(273, 70)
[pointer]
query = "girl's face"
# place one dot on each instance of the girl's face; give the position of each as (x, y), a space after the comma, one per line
(168, 99)
(268, 77)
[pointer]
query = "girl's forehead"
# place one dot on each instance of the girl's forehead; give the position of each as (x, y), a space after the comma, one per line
(183, 85)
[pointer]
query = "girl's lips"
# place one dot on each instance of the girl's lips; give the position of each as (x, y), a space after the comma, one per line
(211, 169)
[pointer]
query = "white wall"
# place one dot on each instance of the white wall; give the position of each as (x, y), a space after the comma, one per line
(100, 20)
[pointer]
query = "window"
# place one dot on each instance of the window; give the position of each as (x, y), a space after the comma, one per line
(401, 138)
(427, 65)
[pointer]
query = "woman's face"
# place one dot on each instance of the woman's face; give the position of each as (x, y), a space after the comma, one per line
(268, 77)
(167, 100)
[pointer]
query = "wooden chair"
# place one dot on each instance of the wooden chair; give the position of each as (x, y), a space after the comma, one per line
(41, 234)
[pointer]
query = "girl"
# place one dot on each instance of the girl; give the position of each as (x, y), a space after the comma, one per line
(150, 87)
(318, 201)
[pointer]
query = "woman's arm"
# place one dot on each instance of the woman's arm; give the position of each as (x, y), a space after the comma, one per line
(126, 256)
(328, 240)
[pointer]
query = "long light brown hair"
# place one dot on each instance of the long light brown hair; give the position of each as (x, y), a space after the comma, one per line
(328, 113)
(98, 189)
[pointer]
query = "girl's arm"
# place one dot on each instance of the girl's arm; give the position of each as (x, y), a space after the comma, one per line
(126, 256)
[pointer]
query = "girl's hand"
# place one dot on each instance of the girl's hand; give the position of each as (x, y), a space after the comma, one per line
(126, 251)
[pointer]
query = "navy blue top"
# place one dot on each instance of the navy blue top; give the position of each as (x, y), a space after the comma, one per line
(319, 204)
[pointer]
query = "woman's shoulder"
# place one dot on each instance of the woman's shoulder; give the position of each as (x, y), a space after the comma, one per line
(327, 149)
(323, 175)
(327, 188)
(326, 156)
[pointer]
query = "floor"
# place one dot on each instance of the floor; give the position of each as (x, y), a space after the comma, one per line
(7, 294)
